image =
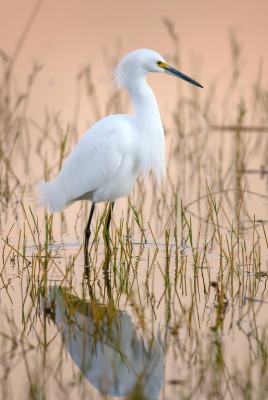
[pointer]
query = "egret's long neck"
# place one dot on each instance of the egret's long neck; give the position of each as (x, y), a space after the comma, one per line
(146, 113)
(150, 130)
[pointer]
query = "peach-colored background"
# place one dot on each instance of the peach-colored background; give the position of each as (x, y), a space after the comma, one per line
(67, 35)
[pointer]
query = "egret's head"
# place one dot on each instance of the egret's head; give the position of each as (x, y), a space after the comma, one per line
(139, 63)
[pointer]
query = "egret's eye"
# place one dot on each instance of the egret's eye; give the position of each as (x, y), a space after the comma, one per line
(159, 63)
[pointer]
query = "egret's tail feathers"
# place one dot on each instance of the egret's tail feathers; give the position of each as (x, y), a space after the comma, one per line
(51, 196)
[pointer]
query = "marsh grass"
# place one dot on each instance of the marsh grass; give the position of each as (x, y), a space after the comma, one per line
(195, 305)
(186, 264)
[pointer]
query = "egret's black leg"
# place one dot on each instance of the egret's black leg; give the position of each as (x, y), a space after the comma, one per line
(88, 232)
(107, 224)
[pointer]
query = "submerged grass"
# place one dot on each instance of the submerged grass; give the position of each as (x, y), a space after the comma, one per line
(196, 293)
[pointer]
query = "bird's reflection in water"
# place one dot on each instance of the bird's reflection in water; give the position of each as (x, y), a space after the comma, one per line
(105, 345)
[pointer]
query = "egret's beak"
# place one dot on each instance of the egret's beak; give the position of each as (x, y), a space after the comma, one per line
(172, 71)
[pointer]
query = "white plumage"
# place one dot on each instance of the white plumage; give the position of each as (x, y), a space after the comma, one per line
(107, 160)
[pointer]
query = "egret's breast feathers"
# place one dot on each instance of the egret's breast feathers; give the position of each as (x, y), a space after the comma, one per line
(152, 159)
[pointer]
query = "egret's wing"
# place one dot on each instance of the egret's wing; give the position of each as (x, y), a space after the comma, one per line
(96, 158)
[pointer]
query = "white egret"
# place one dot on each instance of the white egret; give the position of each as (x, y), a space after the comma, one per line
(107, 160)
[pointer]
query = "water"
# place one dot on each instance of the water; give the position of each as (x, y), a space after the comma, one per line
(164, 321)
